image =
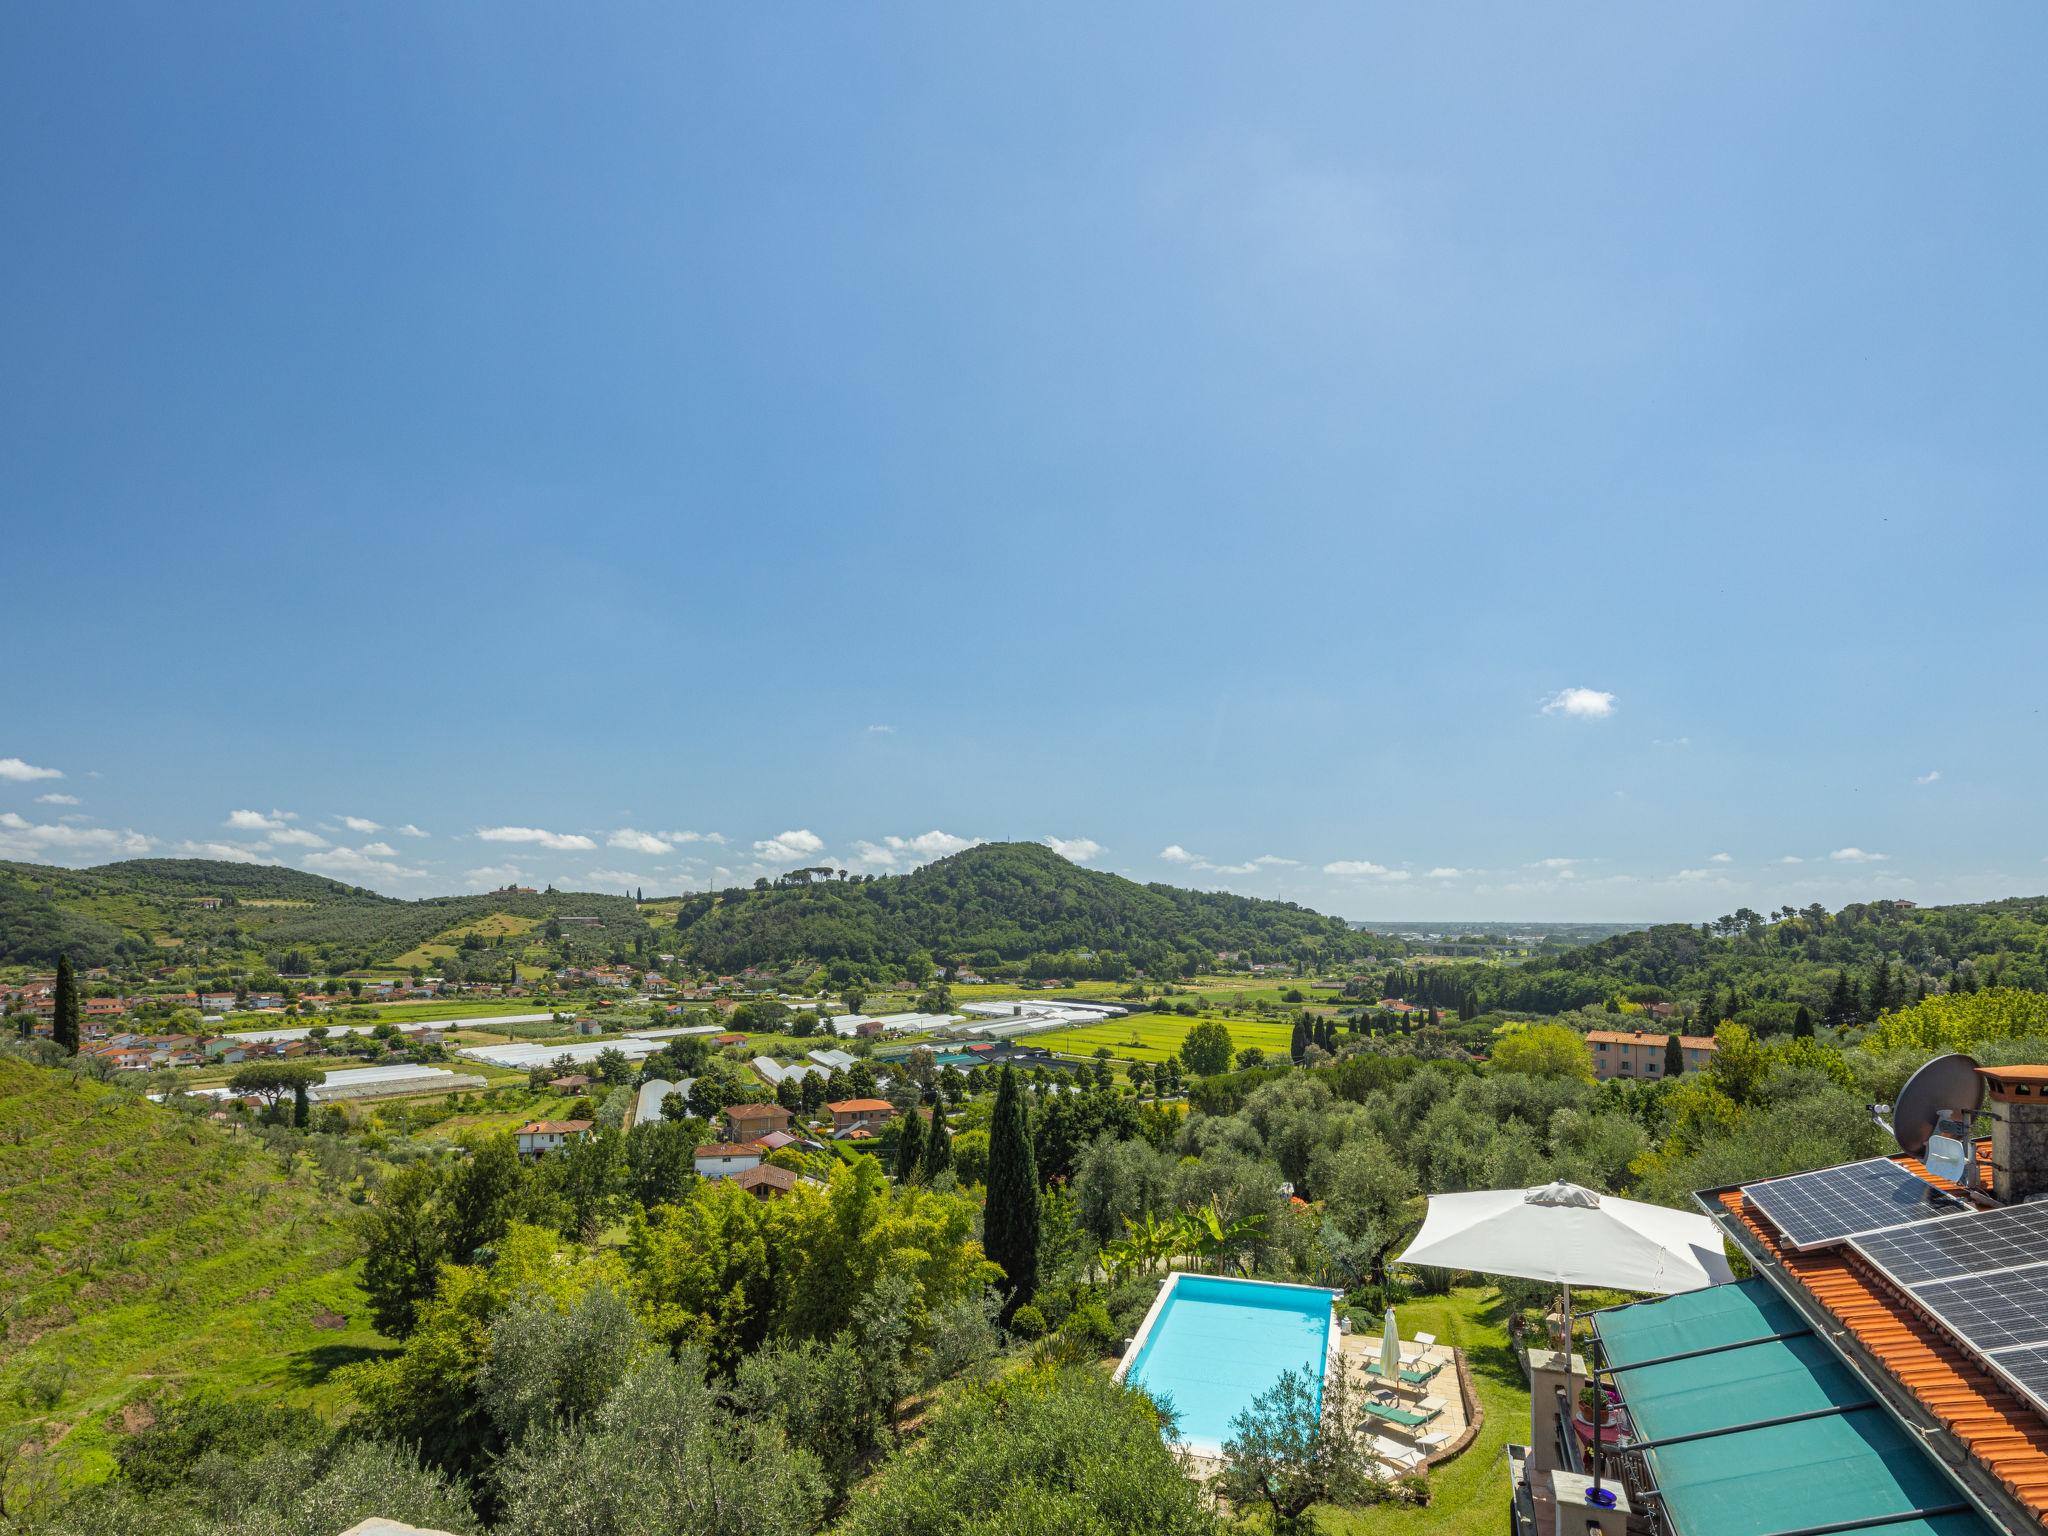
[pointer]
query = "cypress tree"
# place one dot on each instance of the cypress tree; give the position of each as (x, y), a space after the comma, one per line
(1010, 1218)
(1674, 1056)
(65, 1030)
(1297, 1043)
(1802, 1024)
(302, 1107)
(938, 1145)
(909, 1146)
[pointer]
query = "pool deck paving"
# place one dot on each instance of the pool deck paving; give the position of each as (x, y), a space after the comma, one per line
(1400, 1448)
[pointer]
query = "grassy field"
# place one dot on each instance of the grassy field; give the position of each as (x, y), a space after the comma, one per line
(1157, 1036)
(143, 1251)
(445, 945)
(1469, 1495)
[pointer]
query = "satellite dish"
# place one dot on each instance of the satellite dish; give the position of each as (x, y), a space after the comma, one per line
(1941, 1099)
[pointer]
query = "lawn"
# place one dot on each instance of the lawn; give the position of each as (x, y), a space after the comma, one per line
(1157, 1036)
(1469, 1494)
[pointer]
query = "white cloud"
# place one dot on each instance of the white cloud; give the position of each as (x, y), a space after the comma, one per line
(638, 842)
(15, 769)
(1173, 853)
(931, 845)
(1274, 860)
(1791, 858)
(790, 847)
(1580, 703)
(492, 875)
(22, 838)
(693, 837)
(298, 837)
(1672, 741)
(561, 842)
(227, 853)
(1929, 776)
(1363, 868)
(256, 821)
(360, 861)
(1721, 858)
(361, 824)
(409, 830)
(611, 877)
(1555, 863)
(380, 850)
(53, 798)
(1446, 872)
(1078, 850)
(881, 730)
(1857, 856)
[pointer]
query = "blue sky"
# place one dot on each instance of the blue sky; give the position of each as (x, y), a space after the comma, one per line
(1444, 461)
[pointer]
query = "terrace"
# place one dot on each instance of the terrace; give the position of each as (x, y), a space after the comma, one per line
(1881, 1372)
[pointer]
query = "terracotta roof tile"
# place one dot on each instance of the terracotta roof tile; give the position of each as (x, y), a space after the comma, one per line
(1997, 1427)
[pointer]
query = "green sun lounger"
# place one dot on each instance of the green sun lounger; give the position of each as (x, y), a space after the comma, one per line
(1412, 1378)
(1406, 1418)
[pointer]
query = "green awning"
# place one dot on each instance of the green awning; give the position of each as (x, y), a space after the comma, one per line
(1837, 1466)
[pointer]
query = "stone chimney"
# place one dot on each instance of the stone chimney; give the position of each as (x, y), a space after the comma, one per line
(2017, 1098)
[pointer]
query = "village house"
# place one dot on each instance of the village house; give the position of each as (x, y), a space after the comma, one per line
(723, 1159)
(750, 1122)
(1626, 1053)
(539, 1136)
(859, 1114)
(767, 1182)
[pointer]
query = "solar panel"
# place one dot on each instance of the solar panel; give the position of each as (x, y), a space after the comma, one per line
(2027, 1368)
(1833, 1203)
(1968, 1244)
(1991, 1312)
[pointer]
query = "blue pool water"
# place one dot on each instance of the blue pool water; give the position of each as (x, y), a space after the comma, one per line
(1216, 1344)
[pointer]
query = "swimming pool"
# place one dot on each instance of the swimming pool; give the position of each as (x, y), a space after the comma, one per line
(1211, 1345)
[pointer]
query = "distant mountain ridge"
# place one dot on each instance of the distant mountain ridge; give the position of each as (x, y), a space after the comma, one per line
(1001, 903)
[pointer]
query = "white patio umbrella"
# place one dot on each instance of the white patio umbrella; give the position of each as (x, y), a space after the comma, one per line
(1390, 1351)
(1569, 1235)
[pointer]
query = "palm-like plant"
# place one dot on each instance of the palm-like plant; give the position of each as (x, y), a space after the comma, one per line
(1217, 1236)
(1152, 1241)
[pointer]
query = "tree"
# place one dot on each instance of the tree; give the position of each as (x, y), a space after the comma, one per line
(1206, 1049)
(1010, 1218)
(403, 1245)
(1674, 1057)
(275, 1081)
(482, 1196)
(909, 1145)
(1298, 1040)
(1293, 1448)
(1802, 1022)
(1040, 1449)
(1544, 1050)
(938, 1144)
(660, 1161)
(64, 1031)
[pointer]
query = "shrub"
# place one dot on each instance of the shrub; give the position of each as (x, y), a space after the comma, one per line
(1027, 1322)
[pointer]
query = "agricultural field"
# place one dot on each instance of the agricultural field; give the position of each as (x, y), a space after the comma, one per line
(148, 1251)
(1157, 1036)
(445, 945)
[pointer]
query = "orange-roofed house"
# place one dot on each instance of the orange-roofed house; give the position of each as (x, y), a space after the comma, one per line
(859, 1114)
(538, 1136)
(750, 1122)
(1627, 1053)
(725, 1159)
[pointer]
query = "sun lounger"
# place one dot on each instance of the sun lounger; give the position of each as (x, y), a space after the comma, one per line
(1424, 1343)
(1407, 1418)
(1411, 1376)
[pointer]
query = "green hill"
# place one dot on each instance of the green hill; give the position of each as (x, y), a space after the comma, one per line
(1761, 968)
(1004, 902)
(158, 911)
(145, 1250)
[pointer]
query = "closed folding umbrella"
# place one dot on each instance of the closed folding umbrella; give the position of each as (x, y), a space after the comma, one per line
(1390, 1351)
